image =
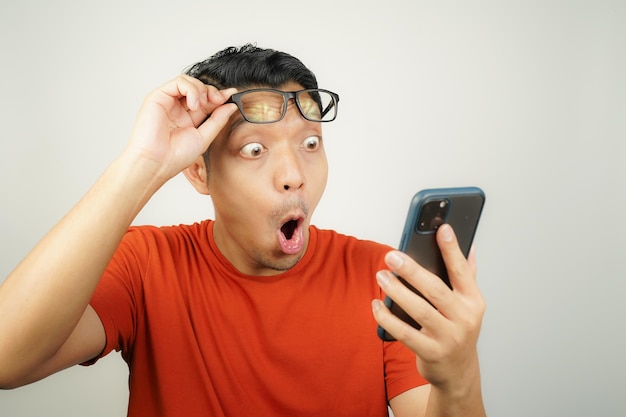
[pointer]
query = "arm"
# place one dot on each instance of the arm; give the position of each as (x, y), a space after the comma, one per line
(45, 322)
(446, 345)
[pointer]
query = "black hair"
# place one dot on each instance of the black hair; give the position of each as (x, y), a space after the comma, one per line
(249, 66)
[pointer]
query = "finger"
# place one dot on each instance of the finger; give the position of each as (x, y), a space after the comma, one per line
(471, 260)
(212, 98)
(216, 99)
(212, 126)
(414, 339)
(197, 98)
(428, 284)
(413, 304)
(193, 91)
(461, 276)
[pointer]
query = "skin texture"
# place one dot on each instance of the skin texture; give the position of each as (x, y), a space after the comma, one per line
(279, 172)
(259, 177)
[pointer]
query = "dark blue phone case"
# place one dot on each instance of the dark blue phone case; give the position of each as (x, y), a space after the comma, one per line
(462, 206)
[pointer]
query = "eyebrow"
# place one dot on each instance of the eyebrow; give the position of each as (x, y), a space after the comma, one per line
(236, 124)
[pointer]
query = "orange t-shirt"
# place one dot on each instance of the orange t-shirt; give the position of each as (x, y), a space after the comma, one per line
(202, 339)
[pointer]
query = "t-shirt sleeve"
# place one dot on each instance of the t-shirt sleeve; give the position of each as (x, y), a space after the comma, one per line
(117, 298)
(401, 372)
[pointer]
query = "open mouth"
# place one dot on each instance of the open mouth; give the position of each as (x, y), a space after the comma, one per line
(291, 236)
(289, 228)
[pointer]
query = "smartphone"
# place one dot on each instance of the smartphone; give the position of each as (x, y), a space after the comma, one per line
(461, 208)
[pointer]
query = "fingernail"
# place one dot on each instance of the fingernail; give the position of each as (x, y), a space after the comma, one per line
(382, 278)
(376, 305)
(394, 260)
(228, 92)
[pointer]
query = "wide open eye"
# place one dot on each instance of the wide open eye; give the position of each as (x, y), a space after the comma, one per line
(311, 143)
(253, 150)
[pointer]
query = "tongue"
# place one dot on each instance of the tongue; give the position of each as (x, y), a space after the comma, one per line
(290, 239)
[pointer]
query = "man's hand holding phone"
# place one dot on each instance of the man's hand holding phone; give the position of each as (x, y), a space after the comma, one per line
(446, 344)
(433, 304)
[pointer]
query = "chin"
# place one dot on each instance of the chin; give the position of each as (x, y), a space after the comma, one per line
(276, 264)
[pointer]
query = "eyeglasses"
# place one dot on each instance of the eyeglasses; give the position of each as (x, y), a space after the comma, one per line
(267, 105)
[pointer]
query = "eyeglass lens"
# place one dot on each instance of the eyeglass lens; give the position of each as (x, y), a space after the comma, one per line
(262, 106)
(266, 106)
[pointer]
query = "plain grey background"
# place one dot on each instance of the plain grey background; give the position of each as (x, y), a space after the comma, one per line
(525, 99)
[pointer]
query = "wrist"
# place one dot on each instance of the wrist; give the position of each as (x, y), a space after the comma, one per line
(460, 396)
(128, 183)
(141, 171)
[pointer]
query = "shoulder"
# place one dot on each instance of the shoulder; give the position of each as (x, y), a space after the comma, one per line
(334, 238)
(182, 232)
(333, 244)
(144, 241)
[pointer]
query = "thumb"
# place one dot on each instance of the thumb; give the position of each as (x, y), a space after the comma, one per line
(211, 127)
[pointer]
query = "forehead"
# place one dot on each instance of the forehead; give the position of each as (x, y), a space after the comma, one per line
(237, 119)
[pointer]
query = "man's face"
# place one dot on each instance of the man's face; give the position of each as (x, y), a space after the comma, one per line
(265, 181)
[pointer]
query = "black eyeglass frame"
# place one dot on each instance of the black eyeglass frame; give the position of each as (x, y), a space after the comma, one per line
(287, 95)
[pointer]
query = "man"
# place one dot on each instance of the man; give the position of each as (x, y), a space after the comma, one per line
(256, 312)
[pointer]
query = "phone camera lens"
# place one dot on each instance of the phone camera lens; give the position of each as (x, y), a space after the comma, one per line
(433, 215)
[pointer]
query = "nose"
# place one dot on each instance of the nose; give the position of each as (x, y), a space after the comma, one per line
(289, 171)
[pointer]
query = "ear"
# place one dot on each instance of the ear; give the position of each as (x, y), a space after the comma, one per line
(197, 175)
